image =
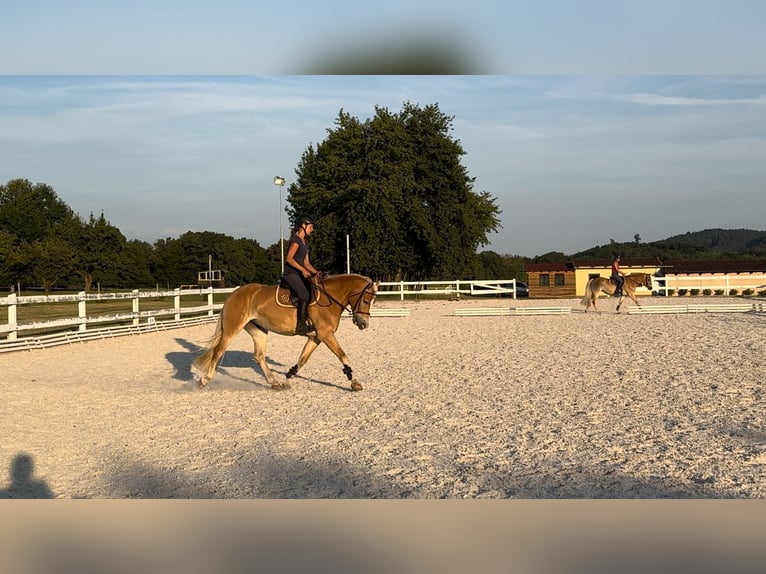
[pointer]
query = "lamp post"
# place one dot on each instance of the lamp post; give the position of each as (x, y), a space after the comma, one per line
(280, 181)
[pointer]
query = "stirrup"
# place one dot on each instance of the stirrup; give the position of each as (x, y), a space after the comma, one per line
(304, 329)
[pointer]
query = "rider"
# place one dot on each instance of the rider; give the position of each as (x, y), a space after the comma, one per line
(299, 270)
(617, 276)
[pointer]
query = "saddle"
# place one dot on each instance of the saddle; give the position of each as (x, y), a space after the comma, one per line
(286, 298)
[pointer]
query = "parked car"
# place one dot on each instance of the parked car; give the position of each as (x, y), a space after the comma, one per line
(522, 289)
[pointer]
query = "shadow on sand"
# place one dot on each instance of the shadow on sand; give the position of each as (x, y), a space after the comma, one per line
(23, 484)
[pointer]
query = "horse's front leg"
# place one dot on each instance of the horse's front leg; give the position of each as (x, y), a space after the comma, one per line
(311, 344)
(332, 344)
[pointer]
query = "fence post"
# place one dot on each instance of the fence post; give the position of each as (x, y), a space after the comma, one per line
(81, 313)
(177, 303)
(136, 319)
(210, 301)
(12, 321)
(401, 290)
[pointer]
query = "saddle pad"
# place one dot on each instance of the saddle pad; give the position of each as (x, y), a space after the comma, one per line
(284, 297)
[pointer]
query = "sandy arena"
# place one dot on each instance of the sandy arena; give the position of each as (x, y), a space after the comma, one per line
(571, 406)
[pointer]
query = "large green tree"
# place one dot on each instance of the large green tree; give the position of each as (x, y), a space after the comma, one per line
(395, 185)
(32, 212)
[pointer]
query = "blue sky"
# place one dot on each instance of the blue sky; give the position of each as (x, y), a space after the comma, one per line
(597, 124)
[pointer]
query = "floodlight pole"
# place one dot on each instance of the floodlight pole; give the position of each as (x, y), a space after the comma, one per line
(280, 181)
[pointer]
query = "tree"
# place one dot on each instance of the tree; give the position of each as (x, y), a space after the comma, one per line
(133, 270)
(395, 185)
(178, 261)
(31, 211)
(551, 257)
(50, 260)
(11, 261)
(637, 238)
(98, 246)
(495, 266)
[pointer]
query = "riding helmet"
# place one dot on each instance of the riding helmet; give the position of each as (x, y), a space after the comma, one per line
(308, 220)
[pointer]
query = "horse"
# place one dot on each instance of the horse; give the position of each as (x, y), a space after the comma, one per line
(596, 285)
(258, 309)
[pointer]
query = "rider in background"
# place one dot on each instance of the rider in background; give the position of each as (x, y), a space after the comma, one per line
(617, 276)
(299, 270)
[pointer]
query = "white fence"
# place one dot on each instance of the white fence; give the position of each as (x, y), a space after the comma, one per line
(726, 283)
(756, 307)
(83, 322)
(81, 326)
(454, 289)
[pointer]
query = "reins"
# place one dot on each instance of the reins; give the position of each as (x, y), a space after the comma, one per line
(346, 307)
(634, 282)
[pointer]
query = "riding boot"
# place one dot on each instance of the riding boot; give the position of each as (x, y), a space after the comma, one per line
(302, 327)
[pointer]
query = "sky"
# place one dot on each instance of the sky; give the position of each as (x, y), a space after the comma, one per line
(587, 124)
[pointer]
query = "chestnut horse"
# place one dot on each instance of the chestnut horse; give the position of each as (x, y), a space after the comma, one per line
(256, 309)
(598, 284)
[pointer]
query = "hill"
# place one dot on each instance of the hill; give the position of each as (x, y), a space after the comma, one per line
(705, 244)
(721, 240)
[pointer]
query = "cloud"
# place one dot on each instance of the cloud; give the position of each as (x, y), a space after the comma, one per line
(660, 100)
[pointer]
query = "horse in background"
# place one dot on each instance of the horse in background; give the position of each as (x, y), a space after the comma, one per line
(259, 309)
(598, 285)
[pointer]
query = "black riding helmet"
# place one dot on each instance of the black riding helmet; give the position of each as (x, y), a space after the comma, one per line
(308, 220)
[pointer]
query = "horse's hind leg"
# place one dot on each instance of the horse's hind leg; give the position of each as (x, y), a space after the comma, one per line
(260, 339)
(212, 357)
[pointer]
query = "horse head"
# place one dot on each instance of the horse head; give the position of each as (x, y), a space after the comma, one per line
(648, 281)
(360, 309)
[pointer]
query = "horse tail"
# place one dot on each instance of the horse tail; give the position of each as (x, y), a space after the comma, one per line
(203, 362)
(586, 300)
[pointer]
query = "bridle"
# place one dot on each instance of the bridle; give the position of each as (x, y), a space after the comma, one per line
(355, 309)
(646, 282)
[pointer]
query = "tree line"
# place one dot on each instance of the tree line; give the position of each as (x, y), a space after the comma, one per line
(45, 244)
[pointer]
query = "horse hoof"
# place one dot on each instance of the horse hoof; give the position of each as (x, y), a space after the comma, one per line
(280, 386)
(356, 386)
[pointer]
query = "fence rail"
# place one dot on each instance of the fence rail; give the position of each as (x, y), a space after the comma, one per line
(69, 337)
(724, 283)
(455, 289)
(82, 326)
(494, 311)
(701, 308)
(83, 322)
